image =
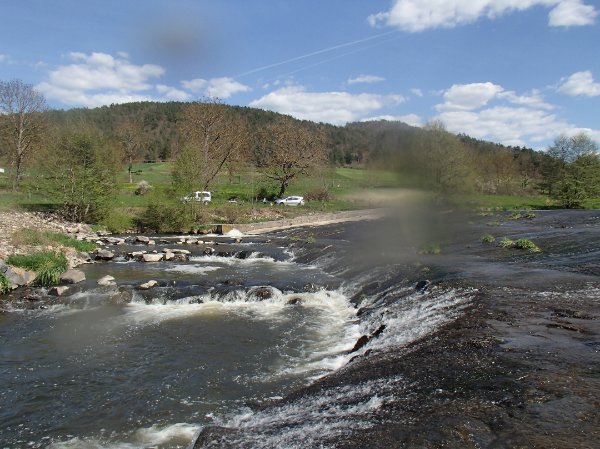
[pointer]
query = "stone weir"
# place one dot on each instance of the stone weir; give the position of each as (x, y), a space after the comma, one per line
(514, 362)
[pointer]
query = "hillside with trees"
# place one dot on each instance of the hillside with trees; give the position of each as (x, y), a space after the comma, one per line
(76, 154)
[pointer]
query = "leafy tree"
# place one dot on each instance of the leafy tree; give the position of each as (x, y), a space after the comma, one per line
(292, 149)
(131, 138)
(572, 170)
(212, 137)
(444, 161)
(79, 172)
(21, 123)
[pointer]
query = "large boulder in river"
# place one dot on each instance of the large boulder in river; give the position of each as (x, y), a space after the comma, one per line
(152, 257)
(104, 254)
(262, 293)
(19, 276)
(72, 276)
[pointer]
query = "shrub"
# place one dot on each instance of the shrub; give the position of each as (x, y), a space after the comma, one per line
(320, 194)
(488, 238)
(48, 266)
(142, 188)
(117, 221)
(4, 284)
(165, 218)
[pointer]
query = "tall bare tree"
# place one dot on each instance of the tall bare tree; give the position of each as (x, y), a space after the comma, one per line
(212, 135)
(130, 135)
(21, 121)
(292, 149)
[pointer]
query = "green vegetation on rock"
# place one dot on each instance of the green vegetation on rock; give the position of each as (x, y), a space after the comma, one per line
(47, 264)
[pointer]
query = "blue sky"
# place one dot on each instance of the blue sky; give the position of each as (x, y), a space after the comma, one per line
(518, 72)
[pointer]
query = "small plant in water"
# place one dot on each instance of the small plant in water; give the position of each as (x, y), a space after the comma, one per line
(311, 238)
(525, 244)
(431, 248)
(488, 238)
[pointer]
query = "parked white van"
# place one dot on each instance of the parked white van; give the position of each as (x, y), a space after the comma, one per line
(200, 196)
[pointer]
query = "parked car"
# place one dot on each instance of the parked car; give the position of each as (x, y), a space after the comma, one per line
(290, 201)
(200, 196)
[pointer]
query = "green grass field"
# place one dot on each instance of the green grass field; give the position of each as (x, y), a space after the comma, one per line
(348, 188)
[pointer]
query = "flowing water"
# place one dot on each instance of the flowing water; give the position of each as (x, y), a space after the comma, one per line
(118, 367)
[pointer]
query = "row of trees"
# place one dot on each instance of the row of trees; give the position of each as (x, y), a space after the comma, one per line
(80, 159)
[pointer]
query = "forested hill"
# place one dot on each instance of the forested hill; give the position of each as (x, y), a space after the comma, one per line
(374, 142)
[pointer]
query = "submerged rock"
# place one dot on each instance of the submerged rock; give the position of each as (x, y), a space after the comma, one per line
(147, 285)
(107, 280)
(262, 293)
(58, 290)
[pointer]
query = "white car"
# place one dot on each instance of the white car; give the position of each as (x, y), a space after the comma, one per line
(291, 201)
(201, 197)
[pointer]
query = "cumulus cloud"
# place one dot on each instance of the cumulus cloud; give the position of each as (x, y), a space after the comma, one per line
(172, 93)
(488, 111)
(419, 15)
(223, 87)
(572, 13)
(367, 79)
(469, 96)
(99, 78)
(579, 83)
(330, 107)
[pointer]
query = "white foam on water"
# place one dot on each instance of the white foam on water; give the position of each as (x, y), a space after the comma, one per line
(192, 269)
(310, 421)
(414, 316)
(253, 259)
(234, 233)
(177, 435)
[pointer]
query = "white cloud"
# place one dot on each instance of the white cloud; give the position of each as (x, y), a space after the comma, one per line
(580, 83)
(572, 13)
(469, 96)
(409, 119)
(419, 15)
(417, 92)
(172, 93)
(488, 111)
(99, 78)
(330, 107)
(367, 79)
(223, 87)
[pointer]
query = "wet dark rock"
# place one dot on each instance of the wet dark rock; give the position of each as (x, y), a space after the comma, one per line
(233, 281)
(422, 286)
(225, 254)
(263, 293)
(243, 254)
(362, 341)
(294, 301)
(121, 297)
(208, 251)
